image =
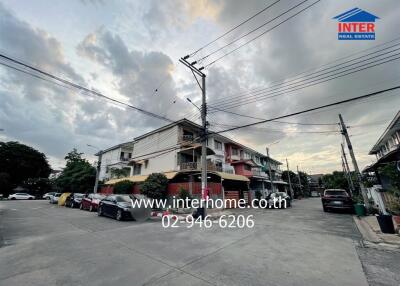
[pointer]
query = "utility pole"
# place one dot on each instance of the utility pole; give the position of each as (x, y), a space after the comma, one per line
(347, 169)
(270, 172)
(98, 168)
(298, 177)
(346, 174)
(290, 183)
(198, 71)
(353, 158)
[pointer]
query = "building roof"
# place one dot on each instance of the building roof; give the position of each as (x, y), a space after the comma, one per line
(114, 147)
(389, 131)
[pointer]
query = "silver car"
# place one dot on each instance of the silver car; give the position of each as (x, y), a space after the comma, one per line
(54, 198)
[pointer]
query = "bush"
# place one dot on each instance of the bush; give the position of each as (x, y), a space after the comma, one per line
(183, 194)
(123, 187)
(155, 186)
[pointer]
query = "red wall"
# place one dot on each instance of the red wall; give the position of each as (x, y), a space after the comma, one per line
(173, 188)
(239, 169)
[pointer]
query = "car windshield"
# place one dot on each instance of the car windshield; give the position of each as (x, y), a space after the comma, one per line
(98, 196)
(79, 195)
(57, 195)
(335, 193)
(123, 199)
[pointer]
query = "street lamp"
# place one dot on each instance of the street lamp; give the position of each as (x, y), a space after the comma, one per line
(96, 184)
(188, 99)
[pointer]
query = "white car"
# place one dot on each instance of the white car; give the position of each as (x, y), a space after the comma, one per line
(54, 198)
(47, 196)
(21, 196)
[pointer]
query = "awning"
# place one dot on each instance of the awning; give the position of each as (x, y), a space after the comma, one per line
(138, 178)
(233, 177)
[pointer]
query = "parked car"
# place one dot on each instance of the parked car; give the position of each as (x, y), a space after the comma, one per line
(47, 196)
(279, 200)
(21, 196)
(91, 202)
(336, 199)
(74, 200)
(116, 206)
(54, 198)
(62, 198)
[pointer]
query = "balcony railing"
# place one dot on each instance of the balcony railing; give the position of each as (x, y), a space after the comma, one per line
(124, 159)
(186, 139)
(196, 166)
(257, 172)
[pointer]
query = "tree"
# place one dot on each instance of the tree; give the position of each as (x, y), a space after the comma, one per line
(119, 173)
(155, 186)
(19, 162)
(390, 171)
(123, 187)
(336, 180)
(294, 181)
(78, 175)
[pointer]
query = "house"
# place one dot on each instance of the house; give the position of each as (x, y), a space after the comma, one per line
(386, 150)
(234, 170)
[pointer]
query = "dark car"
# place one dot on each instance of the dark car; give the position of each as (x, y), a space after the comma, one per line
(116, 206)
(91, 202)
(336, 199)
(279, 200)
(74, 200)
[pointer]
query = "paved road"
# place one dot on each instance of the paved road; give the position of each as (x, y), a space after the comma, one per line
(50, 245)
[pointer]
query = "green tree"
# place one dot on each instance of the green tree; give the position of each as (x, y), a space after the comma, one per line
(19, 162)
(119, 172)
(78, 175)
(123, 187)
(294, 181)
(336, 180)
(390, 171)
(155, 186)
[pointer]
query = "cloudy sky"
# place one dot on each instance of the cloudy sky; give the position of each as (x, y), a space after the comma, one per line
(127, 49)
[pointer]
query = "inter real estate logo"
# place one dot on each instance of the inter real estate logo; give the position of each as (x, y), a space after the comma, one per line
(356, 24)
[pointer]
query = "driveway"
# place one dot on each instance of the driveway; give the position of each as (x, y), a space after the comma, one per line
(43, 244)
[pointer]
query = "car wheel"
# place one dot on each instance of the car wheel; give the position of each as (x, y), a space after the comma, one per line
(325, 209)
(90, 208)
(29, 198)
(119, 215)
(13, 198)
(99, 211)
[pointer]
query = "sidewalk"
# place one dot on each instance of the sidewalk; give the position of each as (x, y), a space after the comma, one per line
(371, 232)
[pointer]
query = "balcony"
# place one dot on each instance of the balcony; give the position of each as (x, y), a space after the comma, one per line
(259, 173)
(186, 140)
(196, 166)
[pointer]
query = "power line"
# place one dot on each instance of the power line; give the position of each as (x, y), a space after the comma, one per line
(276, 121)
(77, 86)
(311, 83)
(258, 36)
(295, 78)
(312, 109)
(234, 28)
(252, 31)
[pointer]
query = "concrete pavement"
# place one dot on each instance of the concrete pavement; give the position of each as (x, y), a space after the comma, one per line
(50, 245)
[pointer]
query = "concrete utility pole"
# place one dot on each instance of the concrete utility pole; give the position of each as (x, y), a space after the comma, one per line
(346, 174)
(353, 158)
(347, 169)
(298, 177)
(198, 71)
(270, 172)
(290, 183)
(98, 168)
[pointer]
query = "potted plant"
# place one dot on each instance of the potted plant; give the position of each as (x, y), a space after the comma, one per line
(359, 207)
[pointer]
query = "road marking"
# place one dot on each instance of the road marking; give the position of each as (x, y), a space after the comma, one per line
(14, 209)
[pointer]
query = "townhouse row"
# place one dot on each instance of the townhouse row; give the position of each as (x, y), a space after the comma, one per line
(234, 170)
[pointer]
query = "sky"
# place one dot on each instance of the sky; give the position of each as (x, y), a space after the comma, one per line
(128, 49)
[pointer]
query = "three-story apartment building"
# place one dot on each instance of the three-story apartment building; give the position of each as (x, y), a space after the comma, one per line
(175, 149)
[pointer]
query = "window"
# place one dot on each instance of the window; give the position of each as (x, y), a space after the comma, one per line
(257, 159)
(217, 145)
(247, 167)
(247, 155)
(129, 155)
(137, 169)
(235, 152)
(122, 154)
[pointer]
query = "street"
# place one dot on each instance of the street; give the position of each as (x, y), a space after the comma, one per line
(43, 244)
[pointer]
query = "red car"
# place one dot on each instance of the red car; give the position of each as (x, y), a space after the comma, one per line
(91, 202)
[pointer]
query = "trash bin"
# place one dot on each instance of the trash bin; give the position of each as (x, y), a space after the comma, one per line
(359, 209)
(385, 223)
